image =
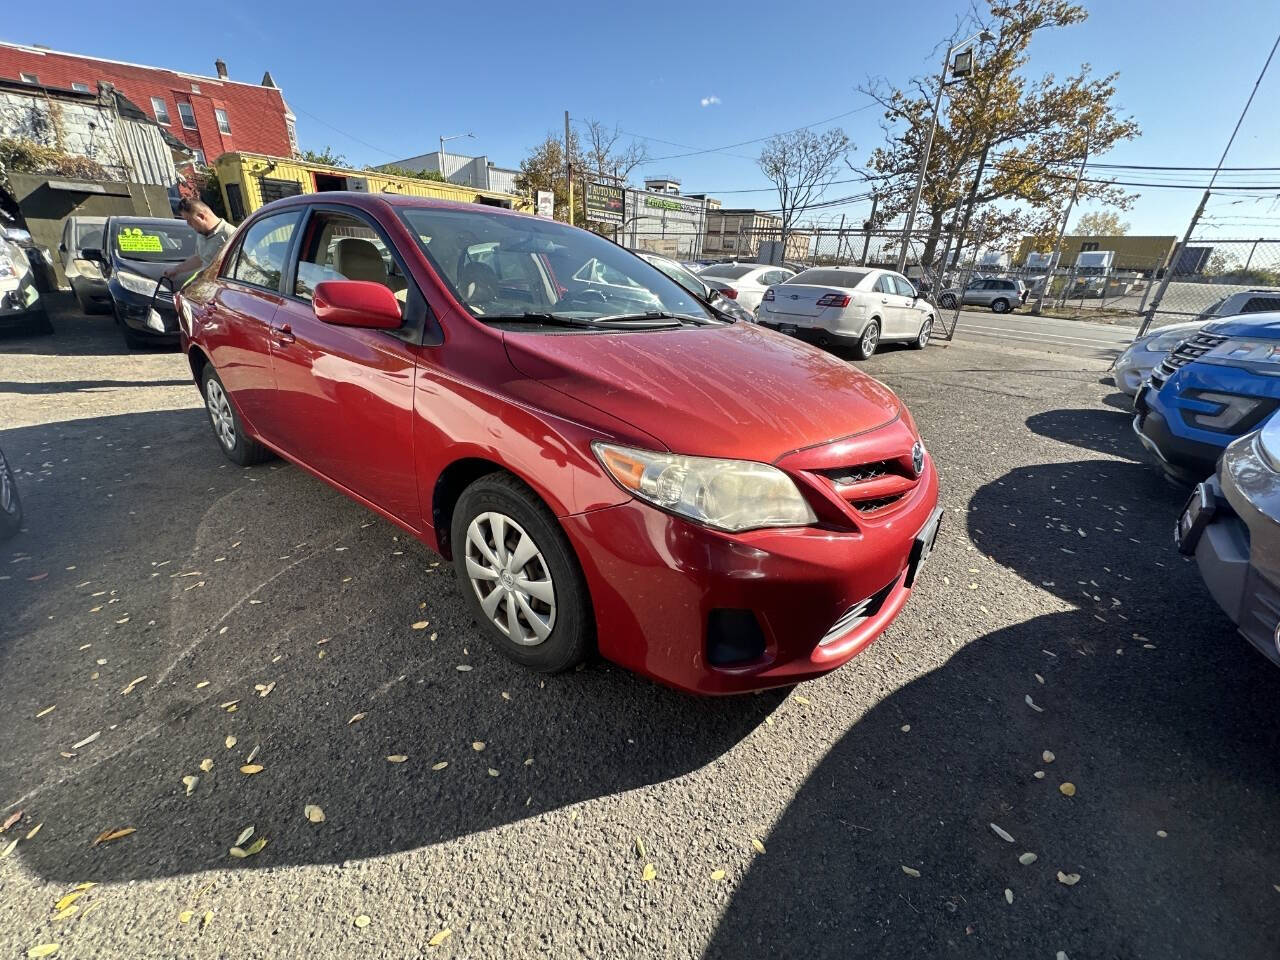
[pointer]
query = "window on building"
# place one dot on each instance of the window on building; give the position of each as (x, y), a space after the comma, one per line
(160, 109)
(1088, 245)
(188, 115)
(81, 87)
(224, 125)
(29, 78)
(199, 157)
(195, 88)
(292, 130)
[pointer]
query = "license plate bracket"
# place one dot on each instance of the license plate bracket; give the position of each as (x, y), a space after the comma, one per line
(1195, 516)
(923, 546)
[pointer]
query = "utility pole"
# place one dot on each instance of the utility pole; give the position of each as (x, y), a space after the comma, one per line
(1062, 229)
(871, 225)
(568, 166)
(1195, 217)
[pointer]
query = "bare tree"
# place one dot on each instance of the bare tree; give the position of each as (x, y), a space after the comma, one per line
(604, 155)
(802, 165)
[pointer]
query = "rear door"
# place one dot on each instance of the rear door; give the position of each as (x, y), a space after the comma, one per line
(887, 302)
(345, 394)
(245, 304)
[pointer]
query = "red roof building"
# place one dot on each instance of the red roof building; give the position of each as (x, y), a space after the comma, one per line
(211, 115)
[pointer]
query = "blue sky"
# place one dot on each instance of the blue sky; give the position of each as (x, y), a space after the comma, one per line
(383, 80)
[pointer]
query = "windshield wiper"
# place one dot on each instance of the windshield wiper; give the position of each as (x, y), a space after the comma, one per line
(627, 322)
(659, 315)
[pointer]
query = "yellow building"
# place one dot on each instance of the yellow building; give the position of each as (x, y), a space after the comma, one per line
(1144, 254)
(248, 180)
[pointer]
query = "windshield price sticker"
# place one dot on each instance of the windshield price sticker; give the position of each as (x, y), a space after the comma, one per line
(133, 240)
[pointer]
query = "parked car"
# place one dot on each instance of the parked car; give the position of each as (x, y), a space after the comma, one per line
(21, 307)
(38, 258)
(1215, 386)
(10, 502)
(1141, 356)
(137, 253)
(699, 288)
(999, 294)
(854, 306)
(744, 282)
(1231, 525)
(707, 503)
(84, 276)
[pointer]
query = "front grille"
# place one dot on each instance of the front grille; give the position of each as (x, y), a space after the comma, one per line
(879, 503)
(1189, 351)
(844, 476)
(872, 486)
(858, 613)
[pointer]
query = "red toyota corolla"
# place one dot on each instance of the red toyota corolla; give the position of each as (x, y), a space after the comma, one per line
(607, 461)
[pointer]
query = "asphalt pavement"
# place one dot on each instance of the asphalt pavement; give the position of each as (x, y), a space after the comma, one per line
(1077, 338)
(171, 623)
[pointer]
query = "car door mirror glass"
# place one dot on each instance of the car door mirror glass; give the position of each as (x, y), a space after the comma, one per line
(356, 303)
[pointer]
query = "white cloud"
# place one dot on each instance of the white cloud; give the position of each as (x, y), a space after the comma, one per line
(710, 101)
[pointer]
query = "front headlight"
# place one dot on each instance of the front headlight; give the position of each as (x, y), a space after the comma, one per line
(7, 269)
(1247, 351)
(1164, 342)
(136, 282)
(731, 495)
(1231, 409)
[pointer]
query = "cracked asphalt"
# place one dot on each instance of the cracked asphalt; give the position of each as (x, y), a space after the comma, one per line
(161, 601)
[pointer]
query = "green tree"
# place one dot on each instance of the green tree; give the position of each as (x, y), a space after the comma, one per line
(543, 169)
(396, 171)
(1006, 143)
(325, 156)
(1102, 223)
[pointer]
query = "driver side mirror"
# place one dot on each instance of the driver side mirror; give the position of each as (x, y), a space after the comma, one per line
(93, 255)
(356, 303)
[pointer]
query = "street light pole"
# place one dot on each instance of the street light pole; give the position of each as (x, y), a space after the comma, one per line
(928, 144)
(440, 156)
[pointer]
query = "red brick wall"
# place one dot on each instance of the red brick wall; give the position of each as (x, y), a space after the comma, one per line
(256, 114)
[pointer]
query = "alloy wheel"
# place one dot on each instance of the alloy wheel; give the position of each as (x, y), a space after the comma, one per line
(925, 331)
(511, 578)
(869, 338)
(224, 424)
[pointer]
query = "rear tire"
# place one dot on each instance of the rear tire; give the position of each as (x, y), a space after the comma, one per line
(543, 600)
(866, 346)
(1000, 305)
(10, 502)
(922, 338)
(228, 430)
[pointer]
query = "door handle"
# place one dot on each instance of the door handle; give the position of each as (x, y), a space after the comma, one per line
(284, 334)
(884, 299)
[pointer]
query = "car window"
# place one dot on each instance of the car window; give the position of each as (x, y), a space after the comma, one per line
(88, 236)
(829, 278)
(1261, 304)
(884, 284)
(904, 287)
(500, 265)
(340, 246)
(262, 253)
(728, 271)
(679, 274)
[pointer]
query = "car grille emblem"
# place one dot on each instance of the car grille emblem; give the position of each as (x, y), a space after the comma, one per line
(917, 458)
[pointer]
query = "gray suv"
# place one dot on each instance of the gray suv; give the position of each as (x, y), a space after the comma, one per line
(1000, 295)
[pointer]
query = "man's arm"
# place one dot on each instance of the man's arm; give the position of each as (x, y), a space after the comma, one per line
(185, 267)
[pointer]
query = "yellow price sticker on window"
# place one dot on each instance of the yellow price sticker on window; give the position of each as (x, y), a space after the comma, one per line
(133, 240)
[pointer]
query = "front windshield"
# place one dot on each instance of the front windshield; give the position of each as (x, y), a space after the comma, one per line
(502, 266)
(152, 241)
(679, 274)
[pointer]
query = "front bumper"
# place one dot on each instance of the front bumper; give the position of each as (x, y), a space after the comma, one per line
(134, 311)
(1238, 550)
(663, 587)
(820, 335)
(1183, 460)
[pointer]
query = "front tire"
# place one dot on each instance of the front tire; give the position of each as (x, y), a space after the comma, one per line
(922, 338)
(227, 428)
(519, 575)
(866, 346)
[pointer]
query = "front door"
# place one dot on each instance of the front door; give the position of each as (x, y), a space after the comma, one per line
(345, 394)
(890, 307)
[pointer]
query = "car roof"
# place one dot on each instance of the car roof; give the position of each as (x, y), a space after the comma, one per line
(372, 201)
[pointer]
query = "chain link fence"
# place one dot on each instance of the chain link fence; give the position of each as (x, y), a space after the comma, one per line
(1208, 271)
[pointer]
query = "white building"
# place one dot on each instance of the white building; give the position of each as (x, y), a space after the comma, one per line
(479, 172)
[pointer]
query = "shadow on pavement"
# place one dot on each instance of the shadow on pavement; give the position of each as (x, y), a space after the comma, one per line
(1099, 430)
(1180, 738)
(175, 566)
(77, 386)
(75, 333)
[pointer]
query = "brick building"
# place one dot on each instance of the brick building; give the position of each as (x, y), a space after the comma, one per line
(211, 115)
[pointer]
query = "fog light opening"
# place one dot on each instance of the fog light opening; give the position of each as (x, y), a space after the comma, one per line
(734, 638)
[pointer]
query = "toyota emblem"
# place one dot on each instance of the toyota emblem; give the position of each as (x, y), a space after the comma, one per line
(917, 458)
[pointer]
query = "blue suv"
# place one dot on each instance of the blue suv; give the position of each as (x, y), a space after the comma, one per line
(1216, 385)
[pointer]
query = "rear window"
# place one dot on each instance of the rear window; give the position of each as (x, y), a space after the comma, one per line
(1261, 304)
(730, 271)
(830, 278)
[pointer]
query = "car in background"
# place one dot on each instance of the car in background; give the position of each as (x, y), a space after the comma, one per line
(1140, 357)
(1231, 525)
(10, 502)
(744, 282)
(707, 503)
(694, 284)
(85, 276)
(138, 251)
(1000, 294)
(853, 306)
(21, 307)
(39, 258)
(1218, 384)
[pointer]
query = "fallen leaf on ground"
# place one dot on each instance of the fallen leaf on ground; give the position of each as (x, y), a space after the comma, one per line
(440, 766)
(1027, 859)
(1068, 789)
(717, 874)
(1039, 774)
(207, 918)
(8, 848)
(313, 813)
(185, 916)
(249, 769)
(206, 764)
(421, 625)
(86, 741)
(477, 745)
(190, 783)
(68, 900)
(44, 950)
(68, 912)
(1047, 756)
(464, 668)
(397, 758)
(758, 845)
(640, 848)
(910, 871)
(362, 921)
(440, 937)
(133, 683)
(356, 719)
(264, 690)
(493, 772)
(11, 820)
(1008, 895)
(649, 872)
(906, 728)
(106, 836)
(1002, 833)
(252, 753)
(45, 711)
(228, 704)
(245, 834)
(34, 830)
(1069, 879)
(803, 701)
(202, 684)
(230, 742)
(1032, 704)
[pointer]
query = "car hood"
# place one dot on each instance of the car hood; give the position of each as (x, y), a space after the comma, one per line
(739, 391)
(151, 269)
(1257, 326)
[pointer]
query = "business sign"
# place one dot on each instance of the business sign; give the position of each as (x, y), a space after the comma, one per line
(605, 203)
(690, 207)
(546, 204)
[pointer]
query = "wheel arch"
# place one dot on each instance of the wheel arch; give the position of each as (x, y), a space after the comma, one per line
(454, 479)
(198, 360)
